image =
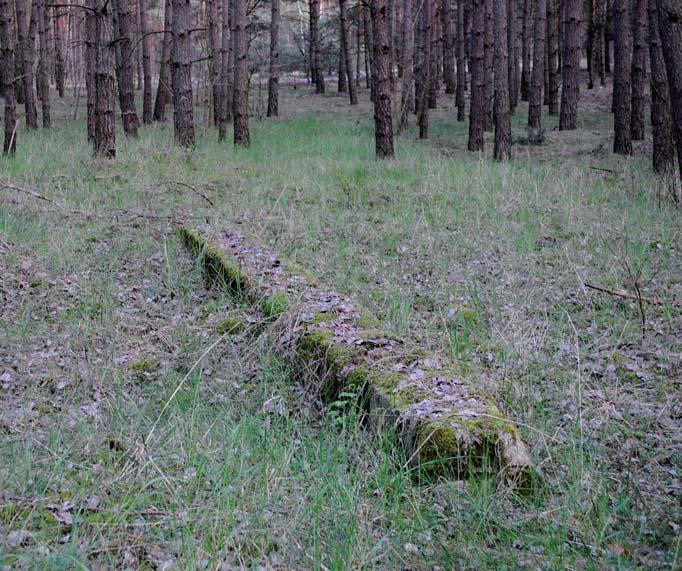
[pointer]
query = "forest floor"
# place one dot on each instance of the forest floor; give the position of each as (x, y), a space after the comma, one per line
(103, 317)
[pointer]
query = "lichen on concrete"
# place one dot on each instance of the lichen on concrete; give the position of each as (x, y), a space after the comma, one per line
(446, 426)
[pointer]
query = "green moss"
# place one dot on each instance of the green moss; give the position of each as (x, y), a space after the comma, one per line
(322, 317)
(274, 305)
(144, 366)
(368, 321)
(217, 263)
(231, 326)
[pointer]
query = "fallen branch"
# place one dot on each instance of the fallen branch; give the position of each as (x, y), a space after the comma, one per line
(626, 295)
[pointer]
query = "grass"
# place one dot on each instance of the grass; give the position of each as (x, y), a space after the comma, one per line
(104, 315)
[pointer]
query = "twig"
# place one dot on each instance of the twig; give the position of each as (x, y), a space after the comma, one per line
(189, 186)
(626, 295)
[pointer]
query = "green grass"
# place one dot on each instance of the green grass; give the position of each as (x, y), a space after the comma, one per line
(481, 260)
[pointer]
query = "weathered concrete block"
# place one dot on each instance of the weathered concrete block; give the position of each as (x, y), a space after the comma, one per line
(445, 425)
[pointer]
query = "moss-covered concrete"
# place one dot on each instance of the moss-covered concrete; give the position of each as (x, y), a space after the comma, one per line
(346, 350)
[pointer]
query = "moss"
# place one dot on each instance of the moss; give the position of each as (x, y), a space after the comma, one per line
(313, 343)
(144, 366)
(322, 317)
(274, 305)
(231, 326)
(217, 263)
(317, 353)
(368, 321)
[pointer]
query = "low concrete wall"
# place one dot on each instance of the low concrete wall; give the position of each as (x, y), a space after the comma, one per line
(445, 425)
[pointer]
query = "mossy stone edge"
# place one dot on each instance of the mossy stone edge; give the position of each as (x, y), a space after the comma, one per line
(434, 446)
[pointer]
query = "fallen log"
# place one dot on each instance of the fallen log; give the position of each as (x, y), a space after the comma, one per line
(445, 425)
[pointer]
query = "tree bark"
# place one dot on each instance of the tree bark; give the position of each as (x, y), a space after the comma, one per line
(537, 78)
(146, 63)
(58, 39)
(342, 84)
(527, 31)
(183, 102)
(42, 14)
(502, 148)
(105, 82)
(489, 64)
(9, 146)
(226, 69)
(383, 122)
(553, 57)
(273, 80)
(638, 71)
(90, 64)
(622, 140)
(461, 61)
(406, 90)
(240, 104)
(425, 66)
(164, 92)
(670, 29)
(369, 50)
(590, 44)
(345, 46)
(126, 83)
(570, 71)
(661, 112)
(512, 58)
(315, 67)
(25, 52)
(449, 74)
(213, 28)
(477, 104)
(436, 52)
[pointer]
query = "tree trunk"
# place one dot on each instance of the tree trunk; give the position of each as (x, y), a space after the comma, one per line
(661, 112)
(383, 123)
(240, 104)
(537, 78)
(425, 66)
(461, 61)
(183, 102)
(369, 50)
(9, 146)
(273, 80)
(105, 82)
(590, 44)
(670, 29)
(146, 63)
(406, 90)
(489, 64)
(42, 14)
(526, 50)
(638, 71)
(126, 83)
(449, 74)
(342, 84)
(58, 51)
(90, 64)
(553, 57)
(164, 92)
(607, 48)
(315, 67)
(512, 58)
(622, 140)
(436, 51)
(345, 46)
(502, 149)
(570, 71)
(226, 69)
(213, 36)
(25, 51)
(477, 104)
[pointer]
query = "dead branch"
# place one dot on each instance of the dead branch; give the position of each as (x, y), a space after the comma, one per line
(626, 295)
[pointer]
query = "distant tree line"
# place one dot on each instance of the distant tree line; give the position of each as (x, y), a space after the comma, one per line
(405, 51)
